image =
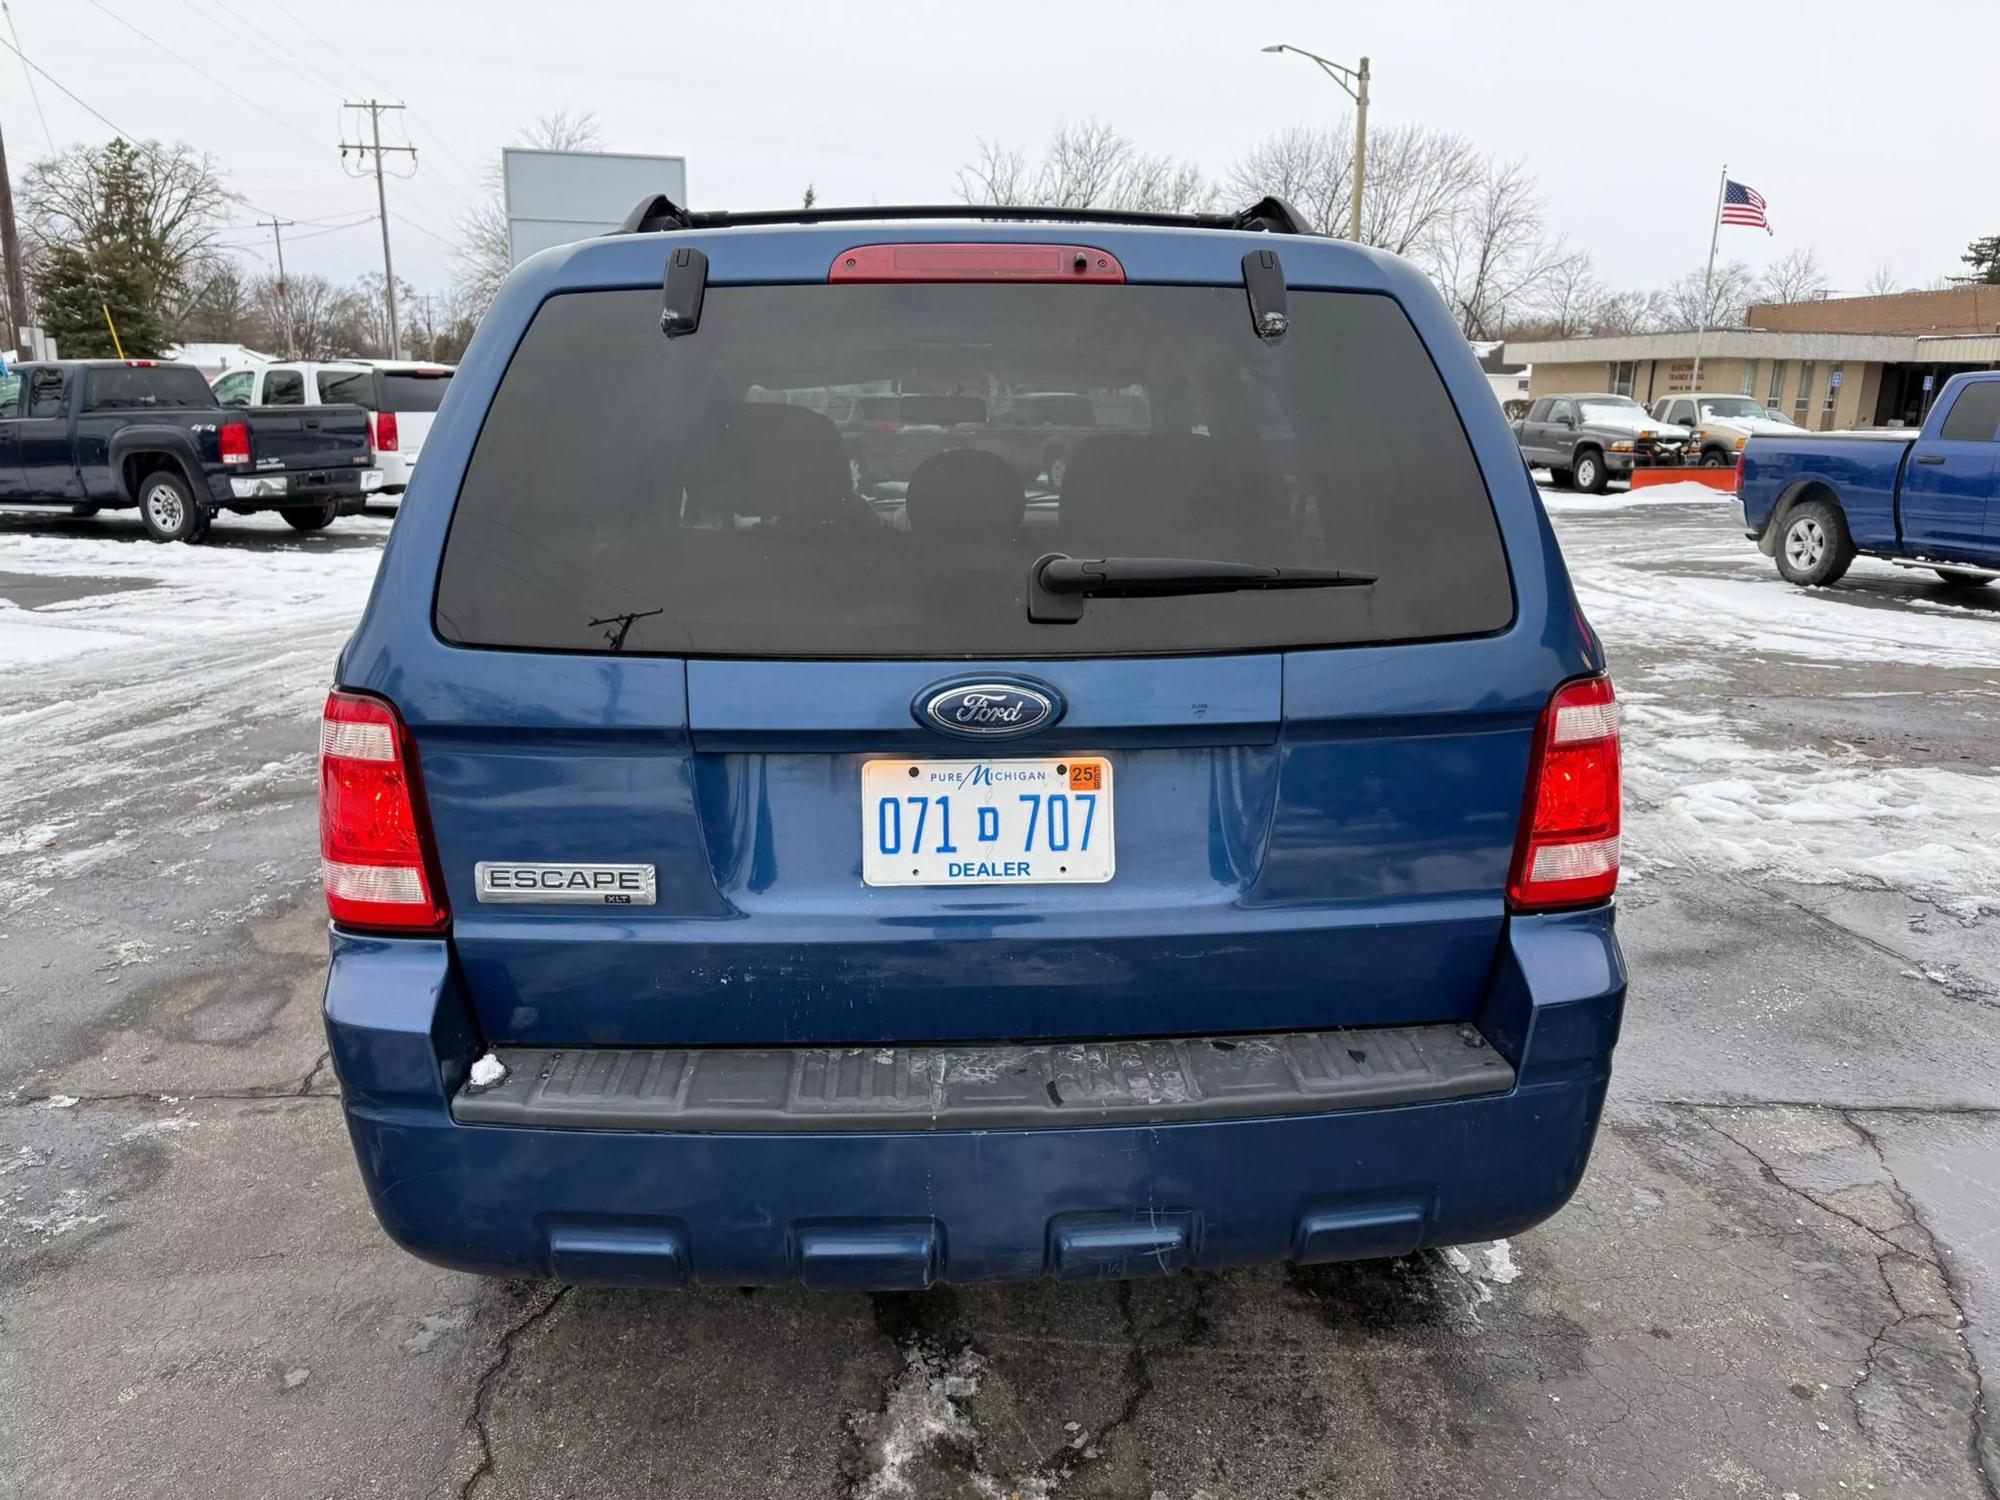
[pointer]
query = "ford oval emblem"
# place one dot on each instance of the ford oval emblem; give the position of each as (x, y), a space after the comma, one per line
(988, 709)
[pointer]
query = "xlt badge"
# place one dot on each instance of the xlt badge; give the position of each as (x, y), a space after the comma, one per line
(589, 885)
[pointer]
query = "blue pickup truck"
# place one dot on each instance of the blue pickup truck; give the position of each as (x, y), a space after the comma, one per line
(1928, 499)
(745, 869)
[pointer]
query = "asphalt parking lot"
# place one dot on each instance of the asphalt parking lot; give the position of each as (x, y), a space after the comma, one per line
(1780, 1278)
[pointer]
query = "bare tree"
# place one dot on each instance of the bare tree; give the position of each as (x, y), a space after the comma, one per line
(483, 256)
(1631, 312)
(1490, 256)
(329, 321)
(1163, 185)
(1727, 298)
(1418, 180)
(1882, 281)
(1570, 298)
(1082, 166)
(1087, 164)
(1313, 170)
(1794, 278)
(999, 176)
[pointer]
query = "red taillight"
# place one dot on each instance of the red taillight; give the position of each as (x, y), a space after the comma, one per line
(1568, 850)
(996, 262)
(232, 442)
(374, 842)
(385, 431)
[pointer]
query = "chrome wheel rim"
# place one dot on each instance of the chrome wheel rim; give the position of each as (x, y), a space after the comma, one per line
(1805, 543)
(163, 508)
(1586, 473)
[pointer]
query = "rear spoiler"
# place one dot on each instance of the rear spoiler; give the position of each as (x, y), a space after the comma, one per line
(1269, 215)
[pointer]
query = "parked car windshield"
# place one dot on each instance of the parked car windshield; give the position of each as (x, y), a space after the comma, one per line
(116, 387)
(1610, 409)
(1728, 408)
(711, 506)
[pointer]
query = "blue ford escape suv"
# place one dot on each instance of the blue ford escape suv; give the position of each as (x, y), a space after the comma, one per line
(744, 868)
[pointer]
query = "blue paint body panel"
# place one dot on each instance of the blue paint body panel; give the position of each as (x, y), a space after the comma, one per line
(1306, 839)
(1916, 495)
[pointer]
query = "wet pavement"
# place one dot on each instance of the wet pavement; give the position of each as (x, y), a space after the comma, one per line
(1781, 1276)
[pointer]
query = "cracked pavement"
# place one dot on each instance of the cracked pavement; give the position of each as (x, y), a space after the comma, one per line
(1781, 1276)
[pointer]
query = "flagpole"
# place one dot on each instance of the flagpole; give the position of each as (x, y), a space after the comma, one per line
(1707, 276)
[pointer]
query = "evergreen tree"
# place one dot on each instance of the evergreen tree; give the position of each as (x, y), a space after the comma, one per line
(1983, 256)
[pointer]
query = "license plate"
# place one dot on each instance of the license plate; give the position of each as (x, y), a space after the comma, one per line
(987, 822)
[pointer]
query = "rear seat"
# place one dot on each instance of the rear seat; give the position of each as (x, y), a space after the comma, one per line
(1123, 488)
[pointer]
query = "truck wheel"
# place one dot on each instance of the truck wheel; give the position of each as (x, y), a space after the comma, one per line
(1962, 577)
(1591, 475)
(1716, 458)
(1815, 548)
(167, 508)
(315, 518)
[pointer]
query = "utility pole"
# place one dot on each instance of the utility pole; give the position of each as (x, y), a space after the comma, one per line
(1355, 82)
(277, 228)
(1360, 150)
(10, 246)
(375, 108)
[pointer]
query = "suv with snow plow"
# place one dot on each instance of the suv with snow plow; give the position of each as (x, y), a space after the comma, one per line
(741, 875)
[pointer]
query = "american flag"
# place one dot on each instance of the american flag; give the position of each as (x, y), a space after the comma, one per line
(1743, 205)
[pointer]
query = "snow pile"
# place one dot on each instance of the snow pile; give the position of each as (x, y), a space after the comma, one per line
(1684, 492)
(488, 1071)
(1698, 794)
(923, 1412)
(1494, 1267)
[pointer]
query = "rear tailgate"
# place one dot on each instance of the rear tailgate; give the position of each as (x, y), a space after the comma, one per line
(307, 437)
(414, 395)
(685, 643)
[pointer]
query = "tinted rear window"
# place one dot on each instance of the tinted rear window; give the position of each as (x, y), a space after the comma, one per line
(116, 387)
(347, 388)
(706, 504)
(403, 391)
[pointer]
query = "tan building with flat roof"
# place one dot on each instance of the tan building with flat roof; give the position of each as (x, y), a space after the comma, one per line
(1817, 363)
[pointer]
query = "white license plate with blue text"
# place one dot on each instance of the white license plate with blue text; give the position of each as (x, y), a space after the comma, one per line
(987, 822)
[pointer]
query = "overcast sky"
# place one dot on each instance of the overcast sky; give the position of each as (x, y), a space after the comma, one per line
(1870, 128)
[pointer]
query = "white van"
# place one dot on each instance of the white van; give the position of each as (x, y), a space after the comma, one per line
(401, 397)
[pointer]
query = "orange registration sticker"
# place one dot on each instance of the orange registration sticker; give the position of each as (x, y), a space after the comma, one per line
(1086, 778)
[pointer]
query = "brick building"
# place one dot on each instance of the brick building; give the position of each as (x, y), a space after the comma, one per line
(1836, 362)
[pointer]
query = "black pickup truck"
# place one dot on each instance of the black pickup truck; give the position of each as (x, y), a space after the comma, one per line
(101, 434)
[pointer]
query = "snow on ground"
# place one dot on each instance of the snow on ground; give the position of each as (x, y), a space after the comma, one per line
(175, 666)
(1686, 492)
(1701, 797)
(1695, 619)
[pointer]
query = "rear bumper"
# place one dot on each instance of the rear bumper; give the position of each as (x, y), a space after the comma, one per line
(348, 488)
(903, 1208)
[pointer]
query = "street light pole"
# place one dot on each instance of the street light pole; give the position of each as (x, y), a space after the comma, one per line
(1355, 82)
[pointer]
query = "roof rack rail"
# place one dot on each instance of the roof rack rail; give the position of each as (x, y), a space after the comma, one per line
(1270, 215)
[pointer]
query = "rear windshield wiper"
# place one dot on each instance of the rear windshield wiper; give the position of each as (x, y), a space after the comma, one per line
(1058, 585)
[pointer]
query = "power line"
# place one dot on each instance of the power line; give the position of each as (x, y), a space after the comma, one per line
(33, 92)
(229, 88)
(442, 239)
(103, 119)
(296, 60)
(360, 71)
